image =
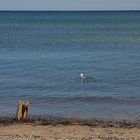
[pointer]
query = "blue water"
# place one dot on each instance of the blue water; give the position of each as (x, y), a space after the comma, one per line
(43, 53)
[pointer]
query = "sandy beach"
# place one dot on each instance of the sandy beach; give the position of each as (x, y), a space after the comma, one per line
(51, 128)
(66, 132)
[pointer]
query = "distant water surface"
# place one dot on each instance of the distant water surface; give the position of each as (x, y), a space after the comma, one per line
(43, 53)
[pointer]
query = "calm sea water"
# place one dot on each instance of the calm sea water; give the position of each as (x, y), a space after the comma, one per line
(43, 53)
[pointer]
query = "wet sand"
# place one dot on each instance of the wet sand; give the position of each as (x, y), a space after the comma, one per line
(49, 128)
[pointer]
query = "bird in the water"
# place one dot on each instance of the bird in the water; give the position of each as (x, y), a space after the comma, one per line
(82, 76)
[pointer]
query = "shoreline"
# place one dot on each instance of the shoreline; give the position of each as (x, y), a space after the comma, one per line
(55, 128)
(51, 120)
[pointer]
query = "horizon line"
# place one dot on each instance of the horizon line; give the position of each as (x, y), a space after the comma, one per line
(104, 10)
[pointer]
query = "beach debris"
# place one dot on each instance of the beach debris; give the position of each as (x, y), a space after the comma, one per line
(72, 121)
(22, 110)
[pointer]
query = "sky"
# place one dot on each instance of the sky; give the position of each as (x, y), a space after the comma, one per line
(69, 4)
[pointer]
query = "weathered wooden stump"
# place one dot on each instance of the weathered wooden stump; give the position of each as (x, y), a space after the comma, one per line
(22, 110)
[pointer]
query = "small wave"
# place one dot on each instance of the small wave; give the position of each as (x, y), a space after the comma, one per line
(89, 99)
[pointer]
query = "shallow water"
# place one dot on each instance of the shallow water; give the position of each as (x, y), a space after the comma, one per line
(43, 53)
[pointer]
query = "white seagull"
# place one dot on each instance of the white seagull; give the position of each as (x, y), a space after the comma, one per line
(82, 76)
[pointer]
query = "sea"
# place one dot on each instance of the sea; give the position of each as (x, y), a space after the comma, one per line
(42, 54)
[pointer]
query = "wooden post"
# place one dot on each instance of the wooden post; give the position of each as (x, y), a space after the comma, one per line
(22, 110)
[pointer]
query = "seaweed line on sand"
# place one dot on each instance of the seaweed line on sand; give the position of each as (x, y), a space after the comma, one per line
(50, 120)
